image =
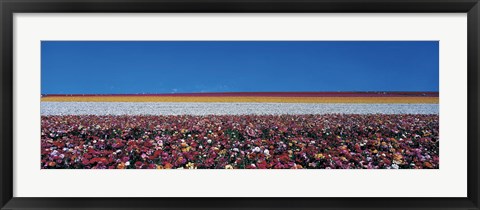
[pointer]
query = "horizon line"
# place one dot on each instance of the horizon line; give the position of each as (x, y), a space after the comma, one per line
(350, 91)
(281, 94)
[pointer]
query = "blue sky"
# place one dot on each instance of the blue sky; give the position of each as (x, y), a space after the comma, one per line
(123, 67)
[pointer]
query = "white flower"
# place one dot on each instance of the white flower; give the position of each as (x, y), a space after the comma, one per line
(395, 166)
(266, 152)
(127, 163)
(209, 141)
(54, 153)
(235, 149)
(256, 149)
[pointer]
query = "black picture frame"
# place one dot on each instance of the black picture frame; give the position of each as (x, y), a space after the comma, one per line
(9, 7)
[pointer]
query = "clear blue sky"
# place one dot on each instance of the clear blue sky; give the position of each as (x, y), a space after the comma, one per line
(237, 66)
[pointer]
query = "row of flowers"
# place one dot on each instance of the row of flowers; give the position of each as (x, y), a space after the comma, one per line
(332, 141)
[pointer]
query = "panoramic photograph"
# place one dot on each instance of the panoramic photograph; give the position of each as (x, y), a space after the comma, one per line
(239, 105)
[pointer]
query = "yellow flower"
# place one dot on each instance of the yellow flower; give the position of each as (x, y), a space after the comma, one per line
(191, 165)
(222, 152)
(228, 167)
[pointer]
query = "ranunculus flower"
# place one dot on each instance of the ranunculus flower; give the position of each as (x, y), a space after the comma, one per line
(371, 141)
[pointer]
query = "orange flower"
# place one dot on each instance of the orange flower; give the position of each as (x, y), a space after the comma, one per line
(427, 165)
(296, 166)
(397, 158)
(121, 166)
(168, 166)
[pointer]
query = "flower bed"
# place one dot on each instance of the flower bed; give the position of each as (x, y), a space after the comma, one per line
(331, 141)
(153, 108)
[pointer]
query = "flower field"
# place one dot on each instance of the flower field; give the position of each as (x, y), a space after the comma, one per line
(282, 141)
(366, 100)
(157, 108)
(317, 130)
